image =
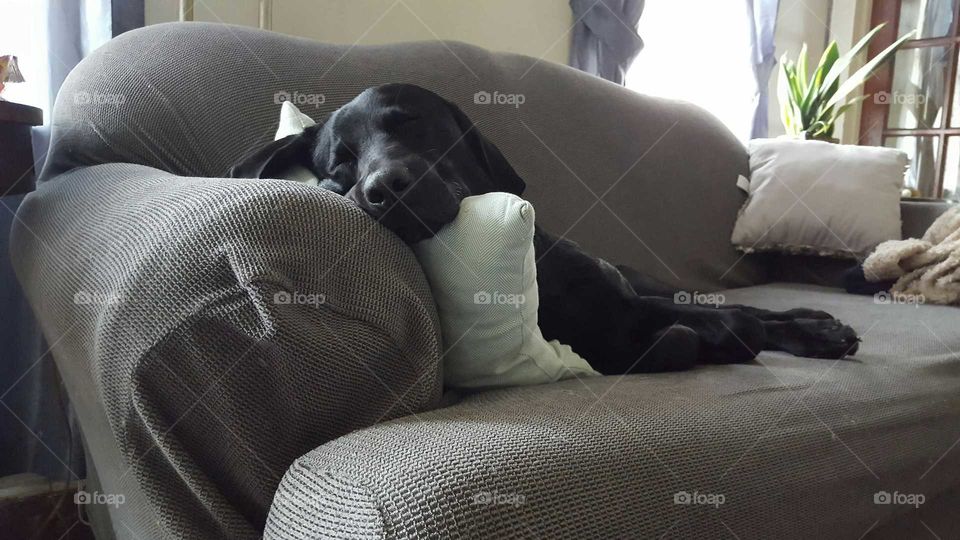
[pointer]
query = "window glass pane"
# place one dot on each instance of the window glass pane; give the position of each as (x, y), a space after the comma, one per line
(916, 99)
(723, 29)
(933, 18)
(952, 172)
(923, 152)
(955, 121)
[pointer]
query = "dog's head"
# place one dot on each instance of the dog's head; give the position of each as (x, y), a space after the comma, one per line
(402, 153)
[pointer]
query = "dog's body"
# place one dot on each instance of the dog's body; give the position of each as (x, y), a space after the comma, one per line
(408, 157)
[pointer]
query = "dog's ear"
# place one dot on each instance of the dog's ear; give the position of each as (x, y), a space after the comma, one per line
(499, 170)
(272, 160)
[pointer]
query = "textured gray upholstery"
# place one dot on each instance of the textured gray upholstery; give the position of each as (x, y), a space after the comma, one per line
(194, 262)
(195, 384)
(917, 216)
(196, 97)
(155, 283)
(797, 447)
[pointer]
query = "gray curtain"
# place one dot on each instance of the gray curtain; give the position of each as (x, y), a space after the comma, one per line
(763, 24)
(605, 38)
(37, 430)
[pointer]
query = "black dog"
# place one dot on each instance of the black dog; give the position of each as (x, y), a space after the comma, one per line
(408, 157)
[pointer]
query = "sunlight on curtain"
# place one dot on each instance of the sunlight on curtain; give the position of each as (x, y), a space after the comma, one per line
(698, 51)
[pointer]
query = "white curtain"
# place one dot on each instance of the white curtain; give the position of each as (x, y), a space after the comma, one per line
(763, 28)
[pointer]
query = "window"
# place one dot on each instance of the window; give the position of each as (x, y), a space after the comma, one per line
(916, 104)
(701, 57)
(24, 24)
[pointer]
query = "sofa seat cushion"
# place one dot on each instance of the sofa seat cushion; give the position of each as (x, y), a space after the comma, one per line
(783, 447)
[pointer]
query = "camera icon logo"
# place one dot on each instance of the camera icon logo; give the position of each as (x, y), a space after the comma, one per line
(281, 96)
(82, 497)
(82, 298)
(81, 98)
(482, 98)
(882, 97)
(281, 298)
(483, 497)
(681, 497)
(682, 297)
(882, 497)
(482, 298)
(882, 297)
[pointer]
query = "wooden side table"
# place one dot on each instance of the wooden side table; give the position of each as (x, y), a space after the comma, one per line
(16, 151)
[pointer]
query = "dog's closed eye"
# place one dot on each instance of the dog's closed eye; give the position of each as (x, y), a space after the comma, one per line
(396, 117)
(343, 155)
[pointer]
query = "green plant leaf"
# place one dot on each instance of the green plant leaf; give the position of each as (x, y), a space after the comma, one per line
(783, 96)
(841, 64)
(816, 129)
(802, 70)
(846, 106)
(793, 98)
(795, 93)
(867, 70)
(812, 100)
(827, 61)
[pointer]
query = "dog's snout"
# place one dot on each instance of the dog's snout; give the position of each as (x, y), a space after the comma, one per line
(408, 196)
(384, 186)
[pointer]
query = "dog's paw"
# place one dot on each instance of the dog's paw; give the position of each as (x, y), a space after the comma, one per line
(818, 338)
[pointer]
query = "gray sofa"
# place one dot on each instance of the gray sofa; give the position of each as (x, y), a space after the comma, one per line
(219, 412)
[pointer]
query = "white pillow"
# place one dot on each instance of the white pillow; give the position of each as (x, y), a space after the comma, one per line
(483, 275)
(818, 198)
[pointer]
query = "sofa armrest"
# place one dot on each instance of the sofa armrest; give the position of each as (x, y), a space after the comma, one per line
(695, 454)
(917, 215)
(216, 329)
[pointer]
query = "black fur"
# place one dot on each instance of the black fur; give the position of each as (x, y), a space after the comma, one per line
(408, 157)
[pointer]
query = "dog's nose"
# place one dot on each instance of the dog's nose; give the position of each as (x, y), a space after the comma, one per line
(383, 187)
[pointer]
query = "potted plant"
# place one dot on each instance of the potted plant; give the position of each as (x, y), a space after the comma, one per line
(811, 104)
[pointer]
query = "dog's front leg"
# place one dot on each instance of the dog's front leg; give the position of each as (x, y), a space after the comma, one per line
(587, 304)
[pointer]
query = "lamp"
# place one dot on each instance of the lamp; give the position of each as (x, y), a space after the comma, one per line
(9, 71)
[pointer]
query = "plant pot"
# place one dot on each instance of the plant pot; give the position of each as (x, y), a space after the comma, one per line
(806, 137)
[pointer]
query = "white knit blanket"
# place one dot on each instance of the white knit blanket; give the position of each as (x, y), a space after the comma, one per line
(929, 266)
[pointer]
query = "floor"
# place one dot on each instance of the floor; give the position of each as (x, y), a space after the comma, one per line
(32, 508)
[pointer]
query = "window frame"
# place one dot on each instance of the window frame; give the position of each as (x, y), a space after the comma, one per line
(874, 116)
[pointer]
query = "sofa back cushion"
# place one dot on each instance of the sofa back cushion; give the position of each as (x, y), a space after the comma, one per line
(640, 181)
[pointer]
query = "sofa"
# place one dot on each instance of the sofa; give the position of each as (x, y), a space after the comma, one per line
(219, 412)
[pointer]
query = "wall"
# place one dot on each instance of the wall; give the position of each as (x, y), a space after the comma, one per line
(851, 21)
(508, 25)
(539, 28)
